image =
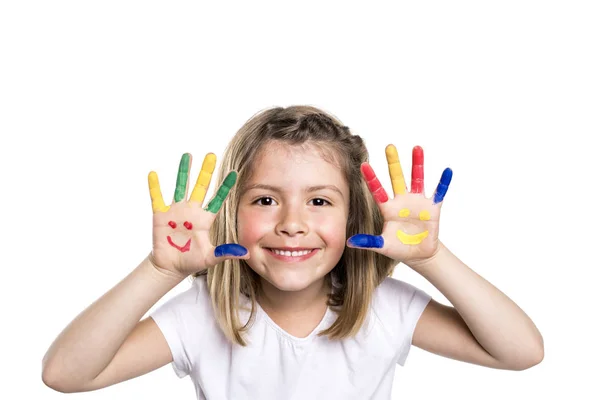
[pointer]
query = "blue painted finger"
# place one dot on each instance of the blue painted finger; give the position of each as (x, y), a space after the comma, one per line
(366, 241)
(442, 187)
(230, 249)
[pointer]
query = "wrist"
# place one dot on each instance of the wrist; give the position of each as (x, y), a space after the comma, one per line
(425, 264)
(162, 273)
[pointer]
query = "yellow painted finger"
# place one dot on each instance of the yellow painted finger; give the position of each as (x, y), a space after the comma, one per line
(396, 175)
(203, 181)
(158, 204)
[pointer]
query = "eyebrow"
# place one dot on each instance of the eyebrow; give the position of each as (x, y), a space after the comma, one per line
(309, 189)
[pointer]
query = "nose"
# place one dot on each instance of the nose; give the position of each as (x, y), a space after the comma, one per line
(292, 222)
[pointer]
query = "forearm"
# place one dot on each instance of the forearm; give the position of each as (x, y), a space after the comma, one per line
(496, 322)
(88, 344)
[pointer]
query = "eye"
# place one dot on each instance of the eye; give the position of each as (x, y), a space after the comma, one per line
(321, 202)
(267, 201)
(188, 225)
(173, 224)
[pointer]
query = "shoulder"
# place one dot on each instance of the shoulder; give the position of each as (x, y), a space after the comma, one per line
(190, 304)
(396, 300)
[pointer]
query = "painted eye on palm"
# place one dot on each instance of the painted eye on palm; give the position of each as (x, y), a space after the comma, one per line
(188, 225)
(410, 205)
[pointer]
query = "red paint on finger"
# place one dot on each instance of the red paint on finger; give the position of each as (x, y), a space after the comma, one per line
(188, 225)
(373, 183)
(417, 176)
(173, 224)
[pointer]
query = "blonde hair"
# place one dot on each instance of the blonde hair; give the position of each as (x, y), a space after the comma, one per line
(357, 273)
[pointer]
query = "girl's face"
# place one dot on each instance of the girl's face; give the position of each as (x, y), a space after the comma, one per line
(295, 202)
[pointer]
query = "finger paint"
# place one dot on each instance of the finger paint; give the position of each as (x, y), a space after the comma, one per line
(173, 224)
(203, 181)
(366, 241)
(374, 185)
(411, 239)
(230, 249)
(417, 181)
(182, 249)
(158, 204)
(442, 187)
(182, 177)
(395, 169)
(188, 225)
(405, 212)
(424, 215)
(216, 203)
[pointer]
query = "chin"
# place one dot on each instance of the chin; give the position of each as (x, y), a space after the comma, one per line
(287, 281)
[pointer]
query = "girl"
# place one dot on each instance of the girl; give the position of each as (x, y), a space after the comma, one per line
(285, 306)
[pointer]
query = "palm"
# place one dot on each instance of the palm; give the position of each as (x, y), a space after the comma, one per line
(411, 223)
(181, 237)
(411, 220)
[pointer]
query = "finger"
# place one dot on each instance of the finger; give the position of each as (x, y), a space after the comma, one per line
(227, 251)
(366, 241)
(374, 185)
(158, 204)
(215, 204)
(182, 178)
(230, 250)
(442, 187)
(203, 181)
(396, 175)
(416, 185)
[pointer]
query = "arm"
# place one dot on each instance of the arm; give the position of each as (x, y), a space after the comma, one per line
(105, 343)
(485, 327)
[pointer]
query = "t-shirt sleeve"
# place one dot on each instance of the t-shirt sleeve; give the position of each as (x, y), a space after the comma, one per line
(175, 318)
(400, 306)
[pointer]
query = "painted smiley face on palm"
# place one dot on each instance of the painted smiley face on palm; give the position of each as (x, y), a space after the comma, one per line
(197, 197)
(411, 218)
(188, 225)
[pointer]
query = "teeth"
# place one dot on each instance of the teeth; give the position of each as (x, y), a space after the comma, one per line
(291, 253)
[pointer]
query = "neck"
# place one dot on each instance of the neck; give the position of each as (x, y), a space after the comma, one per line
(293, 302)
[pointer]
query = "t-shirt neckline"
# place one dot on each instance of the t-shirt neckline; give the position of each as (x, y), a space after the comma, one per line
(289, 336)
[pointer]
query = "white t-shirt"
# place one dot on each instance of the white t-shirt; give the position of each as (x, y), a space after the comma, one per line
(277, 365)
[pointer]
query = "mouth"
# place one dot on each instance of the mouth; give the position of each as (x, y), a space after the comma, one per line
(182, 249)
(291, 256)
(412, 239)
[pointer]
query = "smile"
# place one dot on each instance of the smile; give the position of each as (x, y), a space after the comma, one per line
(180, 248)
(291, 256)
(411, 239)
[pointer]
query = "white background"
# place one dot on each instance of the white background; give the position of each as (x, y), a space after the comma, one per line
(94, 95)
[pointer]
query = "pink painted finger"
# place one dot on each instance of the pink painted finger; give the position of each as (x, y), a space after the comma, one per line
(374, 185)
(417, 177)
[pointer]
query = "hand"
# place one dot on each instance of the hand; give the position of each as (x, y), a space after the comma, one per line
(411, 220)
(180, 235)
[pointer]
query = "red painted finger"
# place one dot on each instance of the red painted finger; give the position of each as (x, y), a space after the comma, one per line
(374, 185)
(417, 177)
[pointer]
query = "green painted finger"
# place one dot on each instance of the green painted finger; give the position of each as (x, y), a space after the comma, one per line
(217, 201)
(182, 177)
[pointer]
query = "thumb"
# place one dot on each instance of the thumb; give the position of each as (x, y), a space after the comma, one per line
(364, 241)
(229, 251)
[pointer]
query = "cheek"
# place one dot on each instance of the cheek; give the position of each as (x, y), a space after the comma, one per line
(251, 226)
(332, 230)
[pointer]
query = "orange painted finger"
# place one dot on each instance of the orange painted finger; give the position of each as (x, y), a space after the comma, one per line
(396, 175)
(374, 185)
(203, 181)
(417, 180)
(158, 204)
